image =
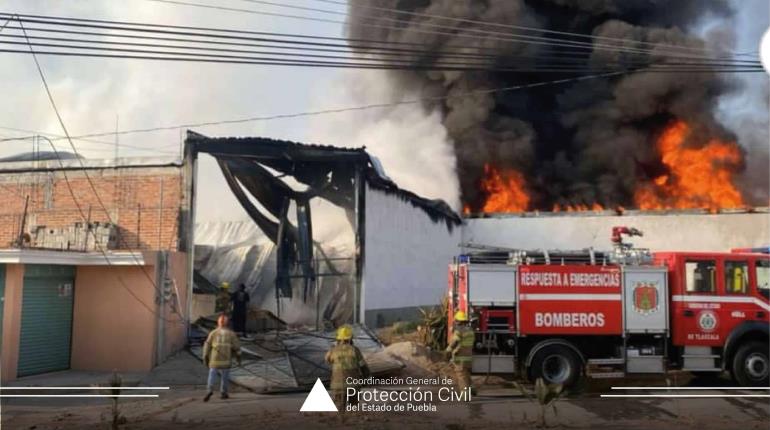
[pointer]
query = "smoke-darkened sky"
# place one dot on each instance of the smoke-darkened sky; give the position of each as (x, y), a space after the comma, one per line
(415, 145)
(587, 141)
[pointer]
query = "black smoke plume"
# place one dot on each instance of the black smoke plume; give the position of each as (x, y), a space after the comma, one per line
(577, 143)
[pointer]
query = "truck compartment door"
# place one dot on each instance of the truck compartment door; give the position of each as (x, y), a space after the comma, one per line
(492, 285)
(645, 296)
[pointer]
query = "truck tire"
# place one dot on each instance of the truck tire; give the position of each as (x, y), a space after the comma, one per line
(556, 364)
(751, 365)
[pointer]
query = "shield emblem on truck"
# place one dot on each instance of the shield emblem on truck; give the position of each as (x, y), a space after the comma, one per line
(646, 300)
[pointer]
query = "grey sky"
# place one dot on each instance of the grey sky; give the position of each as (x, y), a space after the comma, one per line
(91, 93)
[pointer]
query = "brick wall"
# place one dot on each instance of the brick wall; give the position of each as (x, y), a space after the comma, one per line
(143, 202)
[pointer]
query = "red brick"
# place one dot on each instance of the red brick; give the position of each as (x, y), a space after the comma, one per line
(122, 194)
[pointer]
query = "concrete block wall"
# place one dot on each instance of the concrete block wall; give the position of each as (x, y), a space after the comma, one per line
(79, 236)
(143, 201)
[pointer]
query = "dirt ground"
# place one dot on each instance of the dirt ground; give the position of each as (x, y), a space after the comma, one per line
(497, 403)
(182, 408)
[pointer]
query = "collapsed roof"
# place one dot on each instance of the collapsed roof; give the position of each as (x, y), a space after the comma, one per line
(329, 171)
(286, 361)
(253, 167)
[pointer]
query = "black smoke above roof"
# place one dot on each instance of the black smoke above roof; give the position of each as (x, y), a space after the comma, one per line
(577, 142)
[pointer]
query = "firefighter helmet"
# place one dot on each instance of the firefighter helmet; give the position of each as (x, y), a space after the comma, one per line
(225, 285)
(460, 316)
(345, 333)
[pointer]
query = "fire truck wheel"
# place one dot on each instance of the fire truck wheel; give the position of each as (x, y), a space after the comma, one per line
(751, 366)
(556, 364)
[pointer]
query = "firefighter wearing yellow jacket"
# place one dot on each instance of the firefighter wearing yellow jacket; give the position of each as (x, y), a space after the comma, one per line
(461, 348)
(346, 362)
(221, 347)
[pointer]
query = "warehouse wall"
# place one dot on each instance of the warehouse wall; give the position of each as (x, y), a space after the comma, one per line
(680, 232)
(406, 258)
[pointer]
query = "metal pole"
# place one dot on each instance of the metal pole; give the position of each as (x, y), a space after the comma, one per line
(186, 239)
(23, 222)
(160, 216)
(139, 226)
(318, 284)
(360, 226)
(88, 230)
(160, 278)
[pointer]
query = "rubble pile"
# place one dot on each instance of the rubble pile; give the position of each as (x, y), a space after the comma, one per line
(418, 360)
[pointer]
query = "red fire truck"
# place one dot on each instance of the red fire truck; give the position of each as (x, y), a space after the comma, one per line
(558, 315)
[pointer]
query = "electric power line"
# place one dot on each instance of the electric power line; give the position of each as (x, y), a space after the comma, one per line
(96, 194)
(99, 142)
(528, 39)
(350, 109)
(350, 60)
(103, 252)
(277, 44)
(518, 27)
(480, 32)
(156, 28)
(418, 55)
(213, 32)
(359, 108)
(311, 113)
(358, 65)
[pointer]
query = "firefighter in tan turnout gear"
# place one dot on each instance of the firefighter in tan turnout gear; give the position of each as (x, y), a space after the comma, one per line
(461, 348)
(346, 362)
(220, 349)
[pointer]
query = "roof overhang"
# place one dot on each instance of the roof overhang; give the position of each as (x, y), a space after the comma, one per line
(89, 164)
(311, 165)
(37, 256)
(764, 210)
(265, 149)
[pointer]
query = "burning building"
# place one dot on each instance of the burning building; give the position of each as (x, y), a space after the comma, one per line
(543, 126)
(571, 112)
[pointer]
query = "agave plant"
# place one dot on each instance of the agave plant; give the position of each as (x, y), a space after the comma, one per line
(545, 395)
(116, 381)
(434, 326)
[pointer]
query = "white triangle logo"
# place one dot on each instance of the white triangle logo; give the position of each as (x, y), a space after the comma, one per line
(318, 400)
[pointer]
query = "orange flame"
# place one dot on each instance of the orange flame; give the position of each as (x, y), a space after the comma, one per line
(505, 190)
(698, 177)
(595, 207)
